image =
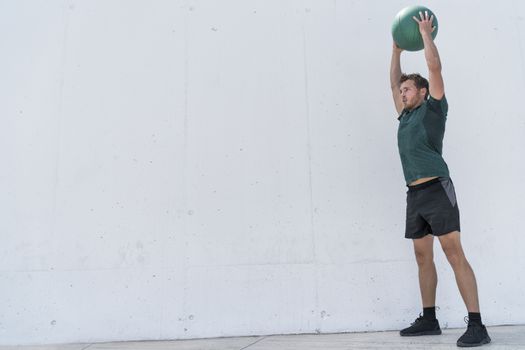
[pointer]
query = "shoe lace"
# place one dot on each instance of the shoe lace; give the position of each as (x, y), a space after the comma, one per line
(471, 328)
(419, 319)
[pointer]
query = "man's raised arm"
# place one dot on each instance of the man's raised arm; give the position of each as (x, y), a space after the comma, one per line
(395, 75)
(435, 79)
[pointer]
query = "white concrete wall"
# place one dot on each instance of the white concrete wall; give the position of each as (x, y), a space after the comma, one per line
(184, 169)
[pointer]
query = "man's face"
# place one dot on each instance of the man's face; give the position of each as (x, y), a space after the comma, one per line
(411, 95)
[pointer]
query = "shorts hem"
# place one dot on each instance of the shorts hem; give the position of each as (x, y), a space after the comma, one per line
(418, 235)
(441, 233)
(453, 229)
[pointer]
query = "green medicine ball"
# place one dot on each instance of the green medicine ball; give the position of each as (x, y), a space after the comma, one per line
(405, 29)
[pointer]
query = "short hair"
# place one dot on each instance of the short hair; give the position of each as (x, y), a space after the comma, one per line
(418, 80)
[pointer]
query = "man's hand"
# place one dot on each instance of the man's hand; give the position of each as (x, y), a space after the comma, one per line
(425, 23)
(396, 48)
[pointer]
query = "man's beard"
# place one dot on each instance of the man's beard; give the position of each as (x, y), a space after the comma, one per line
(409, 105)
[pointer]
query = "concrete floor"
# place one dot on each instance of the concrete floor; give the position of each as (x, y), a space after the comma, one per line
(503, 337)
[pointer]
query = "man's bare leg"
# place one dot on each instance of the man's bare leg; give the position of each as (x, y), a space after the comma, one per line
(476, 333)
(465, 278)
(427, 324)
(423, 248)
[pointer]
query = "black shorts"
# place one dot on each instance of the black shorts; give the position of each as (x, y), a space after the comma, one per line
(431, 209)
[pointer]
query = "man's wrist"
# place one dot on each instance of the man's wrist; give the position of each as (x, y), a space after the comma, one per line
(426, 35)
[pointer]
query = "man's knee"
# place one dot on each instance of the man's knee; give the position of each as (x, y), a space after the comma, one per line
(424, 257)
(424, 251)
(453, 258)
(451, 245)
(454, 255)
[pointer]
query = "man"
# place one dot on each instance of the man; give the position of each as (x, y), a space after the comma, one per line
(432, 209)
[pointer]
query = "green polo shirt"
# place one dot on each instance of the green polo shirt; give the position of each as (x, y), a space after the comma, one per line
(420, 140)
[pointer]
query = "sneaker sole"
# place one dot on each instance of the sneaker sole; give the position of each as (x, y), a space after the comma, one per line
(435, 332)
(467, 345)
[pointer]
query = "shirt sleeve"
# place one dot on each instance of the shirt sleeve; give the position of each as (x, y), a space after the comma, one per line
(439, 106)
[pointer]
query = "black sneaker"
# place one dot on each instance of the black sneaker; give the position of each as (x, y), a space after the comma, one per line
(476, 335)
(421, 326)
